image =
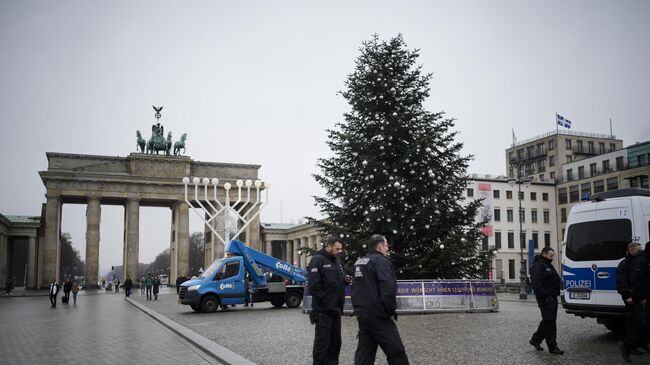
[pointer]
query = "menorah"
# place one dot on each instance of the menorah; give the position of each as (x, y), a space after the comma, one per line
(244, 210)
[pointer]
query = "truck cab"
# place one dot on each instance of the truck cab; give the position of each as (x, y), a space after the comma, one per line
(239, 278)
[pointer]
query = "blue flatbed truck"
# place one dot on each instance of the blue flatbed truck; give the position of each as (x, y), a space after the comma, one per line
(223, 283)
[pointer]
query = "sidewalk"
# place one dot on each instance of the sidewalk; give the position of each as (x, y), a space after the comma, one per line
(99, 329)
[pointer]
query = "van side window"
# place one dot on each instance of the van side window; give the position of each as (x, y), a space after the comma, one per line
(230, 269)
(598, 240)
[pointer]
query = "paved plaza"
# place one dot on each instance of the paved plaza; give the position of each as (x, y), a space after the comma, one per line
(268, 335)
(102, 328)
(105, 329)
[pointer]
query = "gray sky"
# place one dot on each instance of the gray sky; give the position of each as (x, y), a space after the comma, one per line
(256, 81)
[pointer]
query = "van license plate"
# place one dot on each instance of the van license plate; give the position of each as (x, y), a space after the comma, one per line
(579, 295)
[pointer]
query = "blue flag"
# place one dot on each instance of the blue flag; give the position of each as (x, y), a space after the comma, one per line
(531, 253)
(562, 121)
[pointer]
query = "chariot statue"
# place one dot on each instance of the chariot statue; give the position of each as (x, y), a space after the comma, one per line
(158, 142)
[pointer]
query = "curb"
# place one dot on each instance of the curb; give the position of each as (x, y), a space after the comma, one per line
(210, 347)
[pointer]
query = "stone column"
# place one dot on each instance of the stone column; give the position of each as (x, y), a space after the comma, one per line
(269, 248)
(296, 256)
(303, 243)
(31, 263)
(93, 219)
(173, 272)
(253, 233)
(39, 265)
(52, 249)
(289, 251)
(183, 239)
(131, 238)
(3, 259)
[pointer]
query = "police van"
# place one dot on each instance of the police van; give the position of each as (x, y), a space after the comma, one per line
(595, 241)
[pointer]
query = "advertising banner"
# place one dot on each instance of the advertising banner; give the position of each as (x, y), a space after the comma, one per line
(435, 296)
(485, 193)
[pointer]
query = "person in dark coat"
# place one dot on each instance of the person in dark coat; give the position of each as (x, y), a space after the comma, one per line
(624, 288)
(547, 284)
(148, 284)
(640, 286)
(326, 283)
(67, 288)
(54, 291)
(374, 297)
(156, 287)
(128, 283)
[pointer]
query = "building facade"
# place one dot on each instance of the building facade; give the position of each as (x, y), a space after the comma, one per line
(627, 167)
(501, 208)
(541, 157)
(21, 251)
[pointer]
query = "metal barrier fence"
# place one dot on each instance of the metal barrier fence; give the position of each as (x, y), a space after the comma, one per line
(434, 296)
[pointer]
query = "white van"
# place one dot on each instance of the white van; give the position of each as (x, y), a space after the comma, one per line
(595, 241)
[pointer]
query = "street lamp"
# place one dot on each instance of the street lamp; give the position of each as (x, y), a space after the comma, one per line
(522, 272)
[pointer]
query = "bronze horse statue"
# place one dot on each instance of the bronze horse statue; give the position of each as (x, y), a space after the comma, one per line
(141, 143)
(180, 144)
(158, 143)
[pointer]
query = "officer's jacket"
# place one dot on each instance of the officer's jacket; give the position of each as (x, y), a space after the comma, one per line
(544, 279)
(623, 277)
(374, 287)
(326, 282)
(639, 276)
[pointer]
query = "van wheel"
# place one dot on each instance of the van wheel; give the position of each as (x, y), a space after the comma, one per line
(196, 308)
(277, 302)
(293, 300)
(209, 304)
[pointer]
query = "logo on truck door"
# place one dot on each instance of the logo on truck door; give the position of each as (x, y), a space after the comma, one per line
(282, 266)
(226, 286)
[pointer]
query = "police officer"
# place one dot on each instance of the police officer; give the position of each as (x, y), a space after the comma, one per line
(374, 290)
(326, 283)
(546, 283)
(624, 288)
(639, 284)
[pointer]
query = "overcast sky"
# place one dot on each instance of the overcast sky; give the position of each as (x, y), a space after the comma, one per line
(256, 82)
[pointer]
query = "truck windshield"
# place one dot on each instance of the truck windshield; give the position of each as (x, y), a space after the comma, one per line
(209, 272)
(598, 240)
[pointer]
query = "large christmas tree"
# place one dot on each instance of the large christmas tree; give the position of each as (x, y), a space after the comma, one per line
(398, 171)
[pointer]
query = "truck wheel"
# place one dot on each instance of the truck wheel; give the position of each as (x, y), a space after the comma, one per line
(277, 302)
(196, 308)
(293, 300)
(209, 304)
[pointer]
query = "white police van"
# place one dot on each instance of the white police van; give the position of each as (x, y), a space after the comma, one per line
(595, 241)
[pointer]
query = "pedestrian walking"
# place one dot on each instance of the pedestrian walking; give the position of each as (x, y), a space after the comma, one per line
(67, 287)
(639, 276)
(54, 290)
(148, 283)
(128, 283)
(117, 286)
(75, 291)
(9, 284)
(141, 283)
(326, 284)
(156, 287)
(624, 288)
(547, 284)
(179, 281)
(374, 297)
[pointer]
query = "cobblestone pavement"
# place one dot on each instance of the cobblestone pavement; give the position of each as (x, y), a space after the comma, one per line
(99, 329)
(269, 335)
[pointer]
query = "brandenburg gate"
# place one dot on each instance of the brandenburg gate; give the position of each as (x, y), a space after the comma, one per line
(133, 181)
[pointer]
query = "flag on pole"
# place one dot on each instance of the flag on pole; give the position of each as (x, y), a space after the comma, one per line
(562, 121)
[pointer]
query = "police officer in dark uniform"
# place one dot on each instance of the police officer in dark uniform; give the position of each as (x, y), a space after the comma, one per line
(326, 282)
(624, 288)
(374, 290)
(546, 283)
(639, 282)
